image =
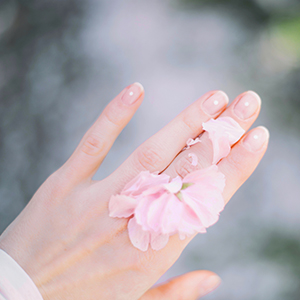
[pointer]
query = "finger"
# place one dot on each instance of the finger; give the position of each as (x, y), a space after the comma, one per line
(98, 140)
(189, 286)
(244, 109)
(157, 152)
(243, 159)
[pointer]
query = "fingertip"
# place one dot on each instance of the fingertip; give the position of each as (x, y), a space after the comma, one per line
(255, 95)
(132, 94)
(256, 139)
(209, 284)
(140, 86)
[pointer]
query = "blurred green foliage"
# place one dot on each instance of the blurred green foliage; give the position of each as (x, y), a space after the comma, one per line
(284, 251)
(247, 7)
(278, 23)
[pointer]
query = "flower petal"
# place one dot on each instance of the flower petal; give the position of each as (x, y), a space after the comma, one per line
(158, 241)
(206, 204)
(223, 132)
(189, 224)
(121, 206)
(138, 237)
(142, 209)
(164, 214)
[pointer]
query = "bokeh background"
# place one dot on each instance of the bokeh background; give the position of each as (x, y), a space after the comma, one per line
(62, 61)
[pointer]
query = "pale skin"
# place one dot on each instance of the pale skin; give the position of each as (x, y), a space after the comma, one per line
(66, 241)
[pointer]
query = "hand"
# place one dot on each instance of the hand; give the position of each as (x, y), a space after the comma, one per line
(64, 238)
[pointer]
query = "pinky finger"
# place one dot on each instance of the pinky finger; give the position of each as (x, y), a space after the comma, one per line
(98, 140)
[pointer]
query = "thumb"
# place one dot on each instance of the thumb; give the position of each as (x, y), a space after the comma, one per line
(189, 286)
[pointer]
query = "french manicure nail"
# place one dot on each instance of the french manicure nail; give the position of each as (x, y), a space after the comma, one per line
(256, 139)
(215, 103)
(247, 106)
(132, 93)
(209, 284)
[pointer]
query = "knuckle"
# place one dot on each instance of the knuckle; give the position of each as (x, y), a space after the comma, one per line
(184, 166)
(54, 188)
(93, 145)
(149, 158)
(190, 123)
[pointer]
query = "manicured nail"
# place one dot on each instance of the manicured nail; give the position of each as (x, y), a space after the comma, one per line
(215, 103)
(247, 106)
(209, 284)
(256, 139)
(132, 93)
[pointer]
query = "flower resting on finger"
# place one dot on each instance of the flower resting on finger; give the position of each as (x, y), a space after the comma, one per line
(184, 206)
(159, 208)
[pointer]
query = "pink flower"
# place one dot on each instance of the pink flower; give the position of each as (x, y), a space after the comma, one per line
(223, 132)
(161, 208)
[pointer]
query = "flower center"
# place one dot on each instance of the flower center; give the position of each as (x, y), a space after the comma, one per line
(186, 185)
(183, 187)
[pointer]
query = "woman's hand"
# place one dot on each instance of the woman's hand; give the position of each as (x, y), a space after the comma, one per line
(64, 238)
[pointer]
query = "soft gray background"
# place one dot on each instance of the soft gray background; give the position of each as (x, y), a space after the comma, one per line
(62, 61)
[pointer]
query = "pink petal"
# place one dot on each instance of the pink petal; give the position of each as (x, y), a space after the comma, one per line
(138, 237)
(206, 203)
(191, 142)
(159, 241)
(155, 212)
(174, 186)
(165, 213)
(142, 209)
(121, 206)
(189, 224)
(142, 182)
(223, 132)
(194, 159)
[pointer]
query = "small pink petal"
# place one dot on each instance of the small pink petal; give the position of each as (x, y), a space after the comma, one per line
(158, 241)
(194, 159)
(191, 142)
(121, 206)
(182, 236)
(138, 237)
(223, 132)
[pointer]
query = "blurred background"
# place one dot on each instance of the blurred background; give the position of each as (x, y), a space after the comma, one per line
(62, 61)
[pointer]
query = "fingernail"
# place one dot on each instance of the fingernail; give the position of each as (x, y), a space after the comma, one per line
(209, 284)
(247, 106)
(256, 139)
(132, 93)
(215, 103)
